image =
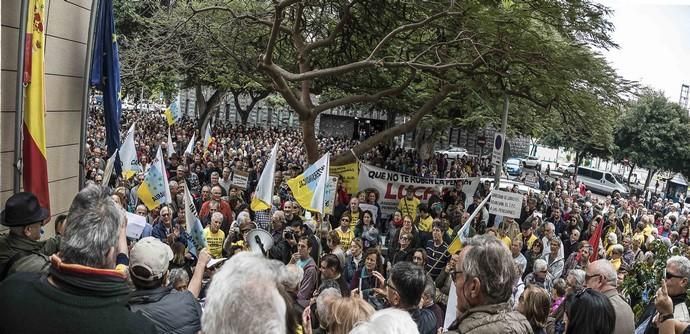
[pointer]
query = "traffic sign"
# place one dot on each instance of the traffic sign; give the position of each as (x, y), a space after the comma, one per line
(497, 156)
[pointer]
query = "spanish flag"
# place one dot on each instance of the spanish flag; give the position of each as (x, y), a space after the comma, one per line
(35, 172)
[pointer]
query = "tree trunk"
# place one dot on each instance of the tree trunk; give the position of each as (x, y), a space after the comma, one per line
(578, 157)
(632, 168)
(650, 175)
(311, 146)
(206, 107)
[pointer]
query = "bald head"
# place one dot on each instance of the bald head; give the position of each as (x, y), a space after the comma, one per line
(601, 276)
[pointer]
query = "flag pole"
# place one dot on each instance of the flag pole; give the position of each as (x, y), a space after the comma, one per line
(85, 104)
(19, 97)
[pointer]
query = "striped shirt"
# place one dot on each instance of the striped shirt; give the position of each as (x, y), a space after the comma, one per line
(436, 258)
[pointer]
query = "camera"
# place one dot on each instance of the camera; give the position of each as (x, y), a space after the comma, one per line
(289, 235)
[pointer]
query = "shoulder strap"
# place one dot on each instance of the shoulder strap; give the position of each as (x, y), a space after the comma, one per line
(6, 267)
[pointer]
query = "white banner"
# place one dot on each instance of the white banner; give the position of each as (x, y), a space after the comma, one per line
(391, 186)
(505, 203)
(329, 195)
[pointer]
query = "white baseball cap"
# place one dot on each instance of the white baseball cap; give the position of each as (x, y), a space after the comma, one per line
(151, 254)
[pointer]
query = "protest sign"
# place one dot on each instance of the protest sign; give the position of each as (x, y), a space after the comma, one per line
(329, 195)
(240, 179)
(135, 225)
(368, 207)
(506, 204)
(391, 186)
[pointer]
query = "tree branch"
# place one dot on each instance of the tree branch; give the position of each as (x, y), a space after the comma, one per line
(331, 37)
(408, 126)
(407, 27)
(364, 97)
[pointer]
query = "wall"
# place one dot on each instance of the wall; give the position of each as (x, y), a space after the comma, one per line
(67, 25)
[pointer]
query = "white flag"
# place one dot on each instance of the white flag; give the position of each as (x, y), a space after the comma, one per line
(128, 156)
(171, 148)
(160, 164)
(207, 137)
(190, 146)
(109, 166)
(194, 227)
(264, 189)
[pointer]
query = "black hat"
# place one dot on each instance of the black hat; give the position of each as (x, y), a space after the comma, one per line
(22, 209)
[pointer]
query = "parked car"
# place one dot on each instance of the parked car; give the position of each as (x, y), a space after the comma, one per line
(532, 162)
(601, 181)
(513, 166)
(453, 152)
(570, 168)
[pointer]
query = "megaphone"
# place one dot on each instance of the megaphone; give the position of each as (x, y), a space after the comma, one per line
(260, 241)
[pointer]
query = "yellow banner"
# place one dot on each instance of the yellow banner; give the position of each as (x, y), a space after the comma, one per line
(350, 174)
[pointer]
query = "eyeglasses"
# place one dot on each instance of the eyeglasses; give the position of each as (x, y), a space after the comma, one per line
(454, 274)
(345, 220)
(671, 275)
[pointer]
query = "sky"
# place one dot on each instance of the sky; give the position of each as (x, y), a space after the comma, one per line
(654, 40)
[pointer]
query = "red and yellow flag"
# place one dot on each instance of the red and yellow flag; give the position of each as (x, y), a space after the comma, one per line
(34, 146)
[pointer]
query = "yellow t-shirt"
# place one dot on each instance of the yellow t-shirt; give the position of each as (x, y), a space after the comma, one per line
(345, 237)
(409, 207)
(425, 224)
(506, 240)
(354, 220)
(647, 230)
(214, 242)
(530, 241)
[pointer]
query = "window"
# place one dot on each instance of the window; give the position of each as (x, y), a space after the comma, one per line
(597, 175)
(609, 178)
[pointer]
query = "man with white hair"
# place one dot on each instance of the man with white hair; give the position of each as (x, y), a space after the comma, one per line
(244, 297)
(86, 288)
(677, 276)
(540, 276)
(484, 277)
(601, 276)
(214, 236)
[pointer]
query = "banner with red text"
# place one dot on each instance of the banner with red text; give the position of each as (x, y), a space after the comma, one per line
(391, 186)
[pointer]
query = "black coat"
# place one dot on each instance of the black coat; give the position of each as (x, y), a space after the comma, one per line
(70, 310)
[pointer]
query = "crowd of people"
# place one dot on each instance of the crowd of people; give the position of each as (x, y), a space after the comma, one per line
(557, 268)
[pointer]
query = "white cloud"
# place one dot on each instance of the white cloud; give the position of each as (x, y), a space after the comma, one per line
(654, 39)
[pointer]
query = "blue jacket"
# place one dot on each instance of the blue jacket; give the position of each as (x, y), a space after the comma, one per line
(160, 232)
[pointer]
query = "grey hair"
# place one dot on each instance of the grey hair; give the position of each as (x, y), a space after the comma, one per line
(387, 321)
(178, 275)
(92, 229)
(682, 263)
(540, 265)
(613, 238)
(244, 297)
(291, 276)
(606, 269)
(242, 216)
(579, 276)
(323, 303)
(429, 289)
(618, 248)
(489, 260)
(217, 215)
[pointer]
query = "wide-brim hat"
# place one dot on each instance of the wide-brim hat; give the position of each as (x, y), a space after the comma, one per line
(23, 209)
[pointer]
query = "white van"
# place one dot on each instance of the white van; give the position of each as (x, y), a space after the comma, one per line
(600, 182)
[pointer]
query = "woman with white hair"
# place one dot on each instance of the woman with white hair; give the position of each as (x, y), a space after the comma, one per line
(387, 321)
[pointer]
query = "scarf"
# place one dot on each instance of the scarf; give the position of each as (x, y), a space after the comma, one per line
(79, 279)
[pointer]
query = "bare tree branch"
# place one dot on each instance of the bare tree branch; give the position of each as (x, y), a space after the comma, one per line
(331, 37)
(352, 99)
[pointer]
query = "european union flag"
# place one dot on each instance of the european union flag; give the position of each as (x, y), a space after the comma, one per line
(105, 73)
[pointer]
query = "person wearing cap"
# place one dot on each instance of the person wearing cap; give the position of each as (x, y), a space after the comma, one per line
(170, 310)
(21, 250)
(408, 205)
(86, 288)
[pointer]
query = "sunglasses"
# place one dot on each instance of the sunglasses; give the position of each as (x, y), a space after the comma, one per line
(671, 276)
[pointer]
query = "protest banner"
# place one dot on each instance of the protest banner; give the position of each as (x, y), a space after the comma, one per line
(506, 204)
(350, 174)
(391, 186)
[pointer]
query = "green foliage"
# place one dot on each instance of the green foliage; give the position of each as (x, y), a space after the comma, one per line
(644, 278)
(652, 134)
